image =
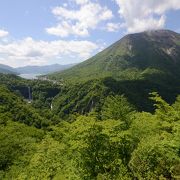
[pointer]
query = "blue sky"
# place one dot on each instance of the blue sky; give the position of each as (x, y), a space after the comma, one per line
(70, 31)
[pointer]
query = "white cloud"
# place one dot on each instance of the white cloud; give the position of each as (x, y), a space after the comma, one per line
(65, 5)
(31, 52)
(147, 24)
(3, 33)
(113, 27)
(79, 22)
(142, 15)
(178, 30)
(81, 1)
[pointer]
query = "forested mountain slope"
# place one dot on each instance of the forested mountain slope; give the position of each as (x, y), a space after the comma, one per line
(7, 69)
(15, 108)
(99, 127)
(154, 51)
(123, 144)
(135, 66)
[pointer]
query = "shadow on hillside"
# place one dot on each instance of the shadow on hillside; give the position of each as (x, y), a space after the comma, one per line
(137, 91)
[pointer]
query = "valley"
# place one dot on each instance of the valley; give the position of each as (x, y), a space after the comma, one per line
(114, 116)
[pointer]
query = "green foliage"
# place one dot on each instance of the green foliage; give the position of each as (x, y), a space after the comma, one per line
(43, 92)
(84, 98)
(16, 109)
(111, 140)
(18, 143)
(38, 113)
(155, 159)
(134, 66)
(133, 57)
(118, 108)
(81, 98)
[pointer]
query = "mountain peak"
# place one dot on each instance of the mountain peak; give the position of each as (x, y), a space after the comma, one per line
(161, 33)
(156, 49)
(154, 32)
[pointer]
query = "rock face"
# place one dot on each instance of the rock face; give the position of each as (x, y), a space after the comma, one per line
(159, 49)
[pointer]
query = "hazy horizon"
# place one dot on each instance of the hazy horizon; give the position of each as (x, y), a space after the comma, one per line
(67, 32)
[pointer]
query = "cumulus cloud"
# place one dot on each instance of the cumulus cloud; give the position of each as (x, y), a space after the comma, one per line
(113, 27)
(28, 51)
(3, 33)
(145, 15)
(79, 22)
(81, 1)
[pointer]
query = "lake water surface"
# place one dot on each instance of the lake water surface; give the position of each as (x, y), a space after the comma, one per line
(29, 76)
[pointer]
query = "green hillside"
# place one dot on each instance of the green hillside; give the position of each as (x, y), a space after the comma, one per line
(17, 109)
(89, 97)
(117, 143)
(120, 123)
(135, 66)
(156, 50)
(7, 69)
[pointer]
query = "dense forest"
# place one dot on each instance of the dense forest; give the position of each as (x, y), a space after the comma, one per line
(115, 142)
(115, 116)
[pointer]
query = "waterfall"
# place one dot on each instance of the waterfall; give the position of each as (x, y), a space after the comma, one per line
(30, 95)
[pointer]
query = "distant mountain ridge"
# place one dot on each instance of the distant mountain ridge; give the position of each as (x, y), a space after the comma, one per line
(34, 69)
(157, 50)
(7, 69)
(43, 69)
